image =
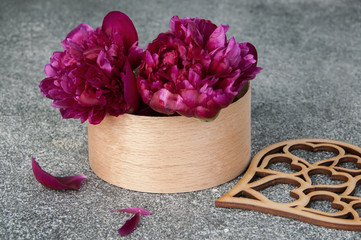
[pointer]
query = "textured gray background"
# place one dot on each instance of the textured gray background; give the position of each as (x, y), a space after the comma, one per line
(310, 87)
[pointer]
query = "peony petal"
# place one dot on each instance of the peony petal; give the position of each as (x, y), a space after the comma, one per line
(49, 181)
(135, 55)
(46, 85)
(233, 53)
(95, 116)
(206, 112)
(166, 102)
(191, 97)
(62, 103)
(149, 61)
(173, 24)
(78, 34)
(88, 98)
(193, 33)
(131, 94)
(129, 225)
(206, 27)
(218, 38)
(119, 22)
(141, 211)
(223, 100)
(252, 50)
(220, 65)
(104, 63)
(49, 70)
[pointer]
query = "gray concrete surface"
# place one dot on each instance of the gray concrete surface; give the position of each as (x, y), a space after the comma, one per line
(310, 87)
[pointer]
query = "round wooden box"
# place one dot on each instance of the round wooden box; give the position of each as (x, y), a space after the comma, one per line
(172, 154)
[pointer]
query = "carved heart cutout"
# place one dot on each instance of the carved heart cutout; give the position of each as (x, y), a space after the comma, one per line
(327, 179)
(324, 176)
(350, 164)
(314, 155)
(323, 205)
(281, 164)
(322, 185)
(282, 195)
(323, 179)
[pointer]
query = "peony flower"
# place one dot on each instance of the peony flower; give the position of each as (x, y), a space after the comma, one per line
(193, 70)
(94, 75)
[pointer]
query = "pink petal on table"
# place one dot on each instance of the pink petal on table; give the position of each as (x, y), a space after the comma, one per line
(49, 181)
(141, 211)
(129, 225)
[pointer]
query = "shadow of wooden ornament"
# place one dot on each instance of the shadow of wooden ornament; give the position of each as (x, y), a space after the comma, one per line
(247, 192)
(172, 154)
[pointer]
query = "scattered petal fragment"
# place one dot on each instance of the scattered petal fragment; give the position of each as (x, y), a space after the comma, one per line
(57, 183)
(132, 222)
(141, 211)
(129, 225)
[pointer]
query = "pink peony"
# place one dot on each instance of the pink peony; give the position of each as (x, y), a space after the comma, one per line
(94, 75)
(193, 70)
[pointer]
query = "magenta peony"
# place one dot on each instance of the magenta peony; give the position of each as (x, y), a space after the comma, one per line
(193, 70)
(94, 75)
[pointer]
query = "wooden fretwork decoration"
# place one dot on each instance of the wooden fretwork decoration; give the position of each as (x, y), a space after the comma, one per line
(259, 176)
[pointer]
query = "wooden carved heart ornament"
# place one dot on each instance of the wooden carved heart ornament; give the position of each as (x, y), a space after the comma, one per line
(247, 194)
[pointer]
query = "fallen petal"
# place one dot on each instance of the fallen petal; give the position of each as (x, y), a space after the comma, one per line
(129, 225)
(49, 181)
(141, 211)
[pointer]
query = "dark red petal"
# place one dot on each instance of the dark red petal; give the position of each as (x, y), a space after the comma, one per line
(95, 117)
(141, 211)
(49, 181)
(252, 50)
(49, 70)
(191, 97)
(119, 22)
(131, 95)
(164, 101)
(78, 34)
(218, 38)
(88, 98)
(129, 225)
(135, 55)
